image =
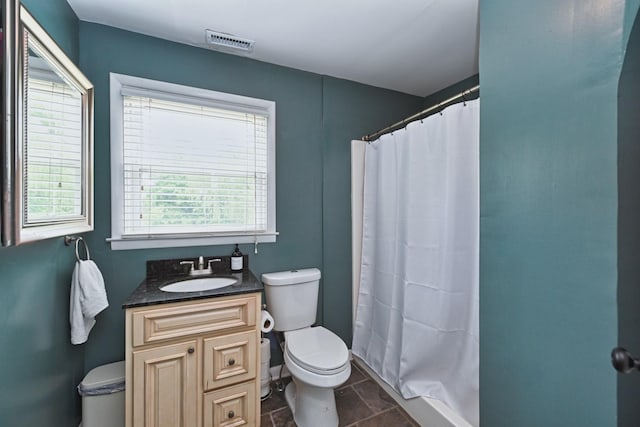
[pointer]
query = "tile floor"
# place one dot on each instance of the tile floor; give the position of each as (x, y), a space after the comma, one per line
(360, 401)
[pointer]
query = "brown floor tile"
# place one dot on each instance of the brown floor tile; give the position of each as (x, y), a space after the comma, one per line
(351, 407)
(283, 418)
(265, 421)
(356, 376)
(389, 418)
(363, 370)
(374, 396)
(274, 402)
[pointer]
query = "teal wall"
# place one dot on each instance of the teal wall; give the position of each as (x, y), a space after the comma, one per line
(454, 89)
(316, 118)
(548, 245)
(60, 21)
(629, 226)
(630, 14)
(39, 367)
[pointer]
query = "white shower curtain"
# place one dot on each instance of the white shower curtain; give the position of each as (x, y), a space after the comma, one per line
(417, 314)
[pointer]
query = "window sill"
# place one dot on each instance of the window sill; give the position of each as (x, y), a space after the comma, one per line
(119, 244)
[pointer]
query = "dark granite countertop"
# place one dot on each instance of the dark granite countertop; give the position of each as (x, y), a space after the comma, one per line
(163, 272)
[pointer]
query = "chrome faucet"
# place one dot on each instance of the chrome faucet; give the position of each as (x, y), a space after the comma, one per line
(200, 270)
(213, 260)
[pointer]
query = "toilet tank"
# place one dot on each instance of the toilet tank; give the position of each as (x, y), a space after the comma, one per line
(292, 297)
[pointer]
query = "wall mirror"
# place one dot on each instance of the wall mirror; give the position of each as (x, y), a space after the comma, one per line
(50, 152)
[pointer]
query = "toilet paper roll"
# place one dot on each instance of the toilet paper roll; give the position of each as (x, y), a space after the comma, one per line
(265, 358)
(267, 322)
(265, 350)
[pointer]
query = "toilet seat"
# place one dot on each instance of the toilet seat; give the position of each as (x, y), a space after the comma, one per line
(317, 350)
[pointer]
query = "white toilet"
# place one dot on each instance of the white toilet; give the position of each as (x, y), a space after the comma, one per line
(316, 357)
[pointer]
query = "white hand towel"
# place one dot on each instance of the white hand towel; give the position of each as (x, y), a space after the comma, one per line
(88, 298)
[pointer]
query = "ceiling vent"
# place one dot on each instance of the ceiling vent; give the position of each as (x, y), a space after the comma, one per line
(229, 41)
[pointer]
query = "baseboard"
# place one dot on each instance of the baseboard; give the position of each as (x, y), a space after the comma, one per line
(274, 371)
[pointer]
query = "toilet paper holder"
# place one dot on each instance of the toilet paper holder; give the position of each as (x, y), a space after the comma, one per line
(266, 321)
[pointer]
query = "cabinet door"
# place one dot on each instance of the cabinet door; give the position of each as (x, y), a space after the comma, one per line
(164, 386)
(231, 406)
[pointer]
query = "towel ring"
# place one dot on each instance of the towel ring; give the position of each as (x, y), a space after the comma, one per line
(70, 239)
(86, 249)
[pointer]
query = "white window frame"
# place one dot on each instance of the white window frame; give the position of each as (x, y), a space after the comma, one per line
(180, 93)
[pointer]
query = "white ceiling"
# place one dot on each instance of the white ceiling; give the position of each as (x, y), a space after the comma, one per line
(413, 46)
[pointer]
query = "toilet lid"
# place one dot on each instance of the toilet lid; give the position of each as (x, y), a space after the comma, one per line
(317, 350)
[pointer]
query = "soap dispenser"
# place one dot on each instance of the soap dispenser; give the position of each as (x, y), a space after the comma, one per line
(236, 260)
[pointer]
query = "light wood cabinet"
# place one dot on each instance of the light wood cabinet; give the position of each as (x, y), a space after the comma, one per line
(194, 364)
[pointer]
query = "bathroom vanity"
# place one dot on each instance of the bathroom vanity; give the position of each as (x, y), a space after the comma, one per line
(192, 357)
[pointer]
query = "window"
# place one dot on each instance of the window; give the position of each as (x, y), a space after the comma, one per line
(189, 166)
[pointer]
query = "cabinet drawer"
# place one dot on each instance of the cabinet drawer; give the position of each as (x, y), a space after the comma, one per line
(229, 359)
(232, 406)
(157, 324)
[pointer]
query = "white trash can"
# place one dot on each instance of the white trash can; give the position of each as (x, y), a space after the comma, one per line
(102, 391)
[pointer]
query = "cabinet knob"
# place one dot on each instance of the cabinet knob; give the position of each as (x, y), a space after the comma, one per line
(231, 414)
(191, 350)
(232, 362)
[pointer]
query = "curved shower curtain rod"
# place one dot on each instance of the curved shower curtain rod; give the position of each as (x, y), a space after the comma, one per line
(422, 114)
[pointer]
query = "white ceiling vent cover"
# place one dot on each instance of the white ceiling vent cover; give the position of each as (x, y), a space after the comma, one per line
(229, 41)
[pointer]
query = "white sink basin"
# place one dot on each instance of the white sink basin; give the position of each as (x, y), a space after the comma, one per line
(196, 285)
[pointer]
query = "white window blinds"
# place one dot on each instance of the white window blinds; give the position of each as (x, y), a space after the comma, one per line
(191, 168)
(52, 158)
